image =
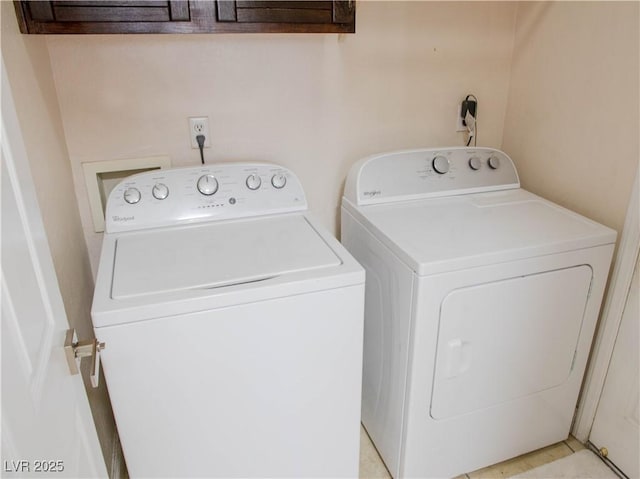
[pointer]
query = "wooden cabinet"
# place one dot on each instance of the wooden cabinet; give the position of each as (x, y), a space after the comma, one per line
(182, 16)
(287, 16)
(176, 16)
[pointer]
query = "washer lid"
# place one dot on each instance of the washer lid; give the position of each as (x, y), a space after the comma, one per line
(459, 232)
(210, 256)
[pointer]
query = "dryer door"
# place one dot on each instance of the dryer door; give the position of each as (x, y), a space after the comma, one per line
(507, 339)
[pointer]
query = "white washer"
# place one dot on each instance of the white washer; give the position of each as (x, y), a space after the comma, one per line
(481, 303)
(233, 327)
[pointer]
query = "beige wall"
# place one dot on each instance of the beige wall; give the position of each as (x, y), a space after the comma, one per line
(566, 95)
(572, 118)
(314, 103)
(29, 71)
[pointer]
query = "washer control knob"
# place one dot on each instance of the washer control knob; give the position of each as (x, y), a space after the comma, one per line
(207, 185)
(278, 180)
(132, 195)
(494, 162)
(475, 163)
(440, 164)
(253, 182)
(160, 191)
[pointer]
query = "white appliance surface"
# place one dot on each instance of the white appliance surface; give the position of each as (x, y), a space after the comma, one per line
(233, 327)
(216, 255)
(523, 314)
(481, 302)
(443, 234)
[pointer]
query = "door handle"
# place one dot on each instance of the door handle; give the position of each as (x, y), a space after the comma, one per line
(459, 357)
(76, 350)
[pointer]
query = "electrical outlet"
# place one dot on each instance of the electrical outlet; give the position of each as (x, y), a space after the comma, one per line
(459, 125)
(199, 125)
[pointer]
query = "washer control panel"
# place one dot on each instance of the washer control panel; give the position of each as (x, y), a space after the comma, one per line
(424, 173)
(203, 193)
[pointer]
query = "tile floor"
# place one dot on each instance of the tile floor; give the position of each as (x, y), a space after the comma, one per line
(372, 467)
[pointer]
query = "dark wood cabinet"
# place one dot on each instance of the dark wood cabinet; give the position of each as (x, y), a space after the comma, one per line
(182, 16)
(175, 16)
(326, 16)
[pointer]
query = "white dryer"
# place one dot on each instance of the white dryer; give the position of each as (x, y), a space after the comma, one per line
(232, 324)
(481, 303)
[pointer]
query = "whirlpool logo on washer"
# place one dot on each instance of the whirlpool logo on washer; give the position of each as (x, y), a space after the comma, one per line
(123, 219)
(372, 193)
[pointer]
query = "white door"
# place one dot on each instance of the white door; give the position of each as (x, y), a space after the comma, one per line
(46, 422)
(617, 422)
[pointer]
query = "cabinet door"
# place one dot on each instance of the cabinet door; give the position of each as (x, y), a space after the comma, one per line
(183, 16)
(83, 16)
(98, 11)
(287, 16)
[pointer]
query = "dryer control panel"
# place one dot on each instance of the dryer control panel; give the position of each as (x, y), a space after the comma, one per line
(424, 173)
(203, 193)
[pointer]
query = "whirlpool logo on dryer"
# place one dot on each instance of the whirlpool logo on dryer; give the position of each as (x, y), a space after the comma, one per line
(372, 193)
(123, 218)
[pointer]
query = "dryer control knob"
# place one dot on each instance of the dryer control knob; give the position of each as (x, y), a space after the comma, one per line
(253, 182)
(278, 180)
(440, 164)
(494, 162)
(207, 185)
(475, 163)
(132, 195)
(160, 191)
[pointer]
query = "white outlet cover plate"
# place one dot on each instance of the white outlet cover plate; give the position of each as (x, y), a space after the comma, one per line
(194, 123)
